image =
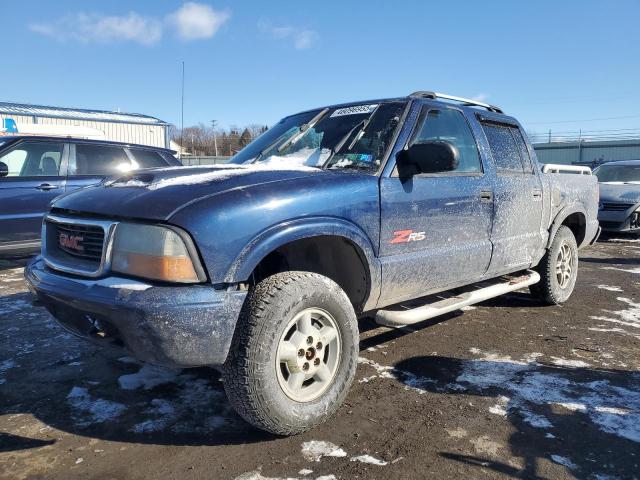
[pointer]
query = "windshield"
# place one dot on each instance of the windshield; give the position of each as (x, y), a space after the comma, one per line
(618, 173)
(354, 137)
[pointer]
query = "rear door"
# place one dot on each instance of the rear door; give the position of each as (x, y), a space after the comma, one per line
(435, 228)
(516, 232)
(89, 163)
(36, 169)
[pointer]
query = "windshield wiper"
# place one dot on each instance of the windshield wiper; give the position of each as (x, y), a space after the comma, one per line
(303, 128)
(358, 128)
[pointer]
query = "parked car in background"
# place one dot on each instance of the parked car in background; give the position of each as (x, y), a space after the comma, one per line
(619, 208)
(34, 170)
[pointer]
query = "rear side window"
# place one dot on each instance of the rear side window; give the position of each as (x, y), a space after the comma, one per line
(524, 151)
(504, 149)
(33, 159)
(148, 158)
(451, 126)
(99, 160)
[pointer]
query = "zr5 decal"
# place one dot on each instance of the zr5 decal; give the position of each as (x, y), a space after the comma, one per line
(405, 236)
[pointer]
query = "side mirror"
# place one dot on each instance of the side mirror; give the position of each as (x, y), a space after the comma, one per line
(436, 156)
(4, 169)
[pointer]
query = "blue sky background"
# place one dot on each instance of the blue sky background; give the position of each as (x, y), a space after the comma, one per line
(560, 65)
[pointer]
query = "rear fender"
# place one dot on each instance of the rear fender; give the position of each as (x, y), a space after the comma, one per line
(561, 216)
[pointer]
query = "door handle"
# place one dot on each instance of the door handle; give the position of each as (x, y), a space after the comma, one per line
(486, 195)
(537, 193)
(47, 186)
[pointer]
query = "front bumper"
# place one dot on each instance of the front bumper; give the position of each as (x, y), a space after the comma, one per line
(175, 326)
(628, 221)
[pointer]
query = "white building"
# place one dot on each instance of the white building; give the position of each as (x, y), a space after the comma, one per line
(70, 122)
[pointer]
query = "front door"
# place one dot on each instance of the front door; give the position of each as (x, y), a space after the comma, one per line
(34, 180)
(435, 228)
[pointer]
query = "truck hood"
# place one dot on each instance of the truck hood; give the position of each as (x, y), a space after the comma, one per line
(159, 193)
(620, 192)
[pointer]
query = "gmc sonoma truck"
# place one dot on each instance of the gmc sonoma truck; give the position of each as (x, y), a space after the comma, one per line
(262, 267)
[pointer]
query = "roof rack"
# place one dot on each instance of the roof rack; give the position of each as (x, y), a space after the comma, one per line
(464, 101)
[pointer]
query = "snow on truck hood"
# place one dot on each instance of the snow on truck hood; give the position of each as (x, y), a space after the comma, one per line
(157, 194)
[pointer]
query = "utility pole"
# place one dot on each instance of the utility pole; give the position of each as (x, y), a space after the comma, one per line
(215, 140)
(182, 114)
(549, 135)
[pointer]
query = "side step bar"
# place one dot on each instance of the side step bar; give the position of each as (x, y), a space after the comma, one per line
(473, 294)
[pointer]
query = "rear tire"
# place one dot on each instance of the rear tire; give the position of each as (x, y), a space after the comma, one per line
(558, 269)
(294, 353)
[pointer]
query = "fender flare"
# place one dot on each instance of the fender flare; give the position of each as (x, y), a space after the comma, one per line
(560, 217)
(280, 234)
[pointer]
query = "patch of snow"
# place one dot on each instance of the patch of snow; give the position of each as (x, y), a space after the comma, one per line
(79, 460)
(148, 377)
(610, 288)
(314, 450)
(529, 385)
(574, 407)
(305, 471)
(369, 459)
(561, 362)
(468, 308)
(628, 270)
(164, 413)
(97, 410)
(564, 461)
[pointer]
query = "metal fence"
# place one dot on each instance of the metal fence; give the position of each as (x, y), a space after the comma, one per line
(192, 160)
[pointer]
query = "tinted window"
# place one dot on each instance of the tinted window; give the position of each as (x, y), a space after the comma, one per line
(451, 126)
(33, 159)
(148, 158)
(504, 148)
(524, 151)
(99, 160)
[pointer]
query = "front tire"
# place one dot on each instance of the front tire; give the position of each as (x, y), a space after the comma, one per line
(558, 269)
(294, 353)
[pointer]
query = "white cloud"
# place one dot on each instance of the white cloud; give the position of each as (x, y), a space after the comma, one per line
(194, 21)
(93, 27)
(302, 39)
(481, 97)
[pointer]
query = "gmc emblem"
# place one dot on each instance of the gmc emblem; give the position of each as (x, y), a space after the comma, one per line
(72, 242)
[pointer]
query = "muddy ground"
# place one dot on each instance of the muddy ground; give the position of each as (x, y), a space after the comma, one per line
(507, 389)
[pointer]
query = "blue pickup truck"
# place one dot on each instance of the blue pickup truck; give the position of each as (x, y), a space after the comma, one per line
(262, 267)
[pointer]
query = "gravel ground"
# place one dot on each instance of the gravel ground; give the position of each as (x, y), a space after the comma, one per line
(507, 389)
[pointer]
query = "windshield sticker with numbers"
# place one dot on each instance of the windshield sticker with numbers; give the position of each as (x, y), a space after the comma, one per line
(354, 110)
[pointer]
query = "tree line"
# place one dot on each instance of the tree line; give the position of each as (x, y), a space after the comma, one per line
(203, 140)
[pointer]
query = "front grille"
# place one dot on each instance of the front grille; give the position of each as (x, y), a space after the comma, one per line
(84, 241)
(77, 245)
(616, 207)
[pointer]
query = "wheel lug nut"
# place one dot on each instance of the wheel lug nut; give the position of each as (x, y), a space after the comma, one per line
(319, 346)
(301, 353)
(316, 362)
(305, 366)
(309, 340)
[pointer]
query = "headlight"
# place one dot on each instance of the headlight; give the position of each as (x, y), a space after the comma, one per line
(155, 252)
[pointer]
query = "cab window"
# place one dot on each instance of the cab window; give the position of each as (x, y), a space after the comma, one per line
(450, 126)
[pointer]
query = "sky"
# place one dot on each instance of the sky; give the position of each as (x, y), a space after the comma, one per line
(559, 65)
